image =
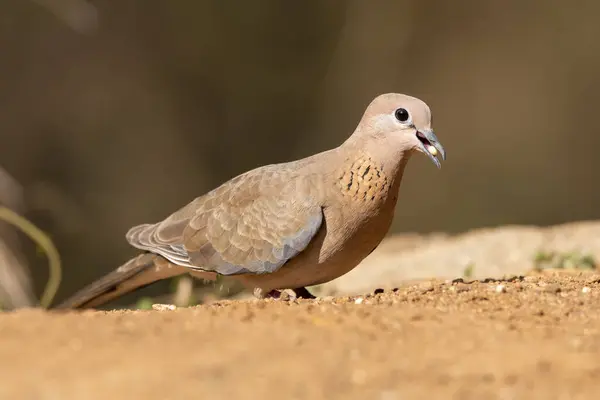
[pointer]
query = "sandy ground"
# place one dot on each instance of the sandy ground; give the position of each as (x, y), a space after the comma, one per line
(534, 337)
(488, 252)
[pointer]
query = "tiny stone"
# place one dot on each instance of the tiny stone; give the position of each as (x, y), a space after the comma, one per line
(586, 290)
(378, 291)
(163, 307)
(500, 289)
(359, 300)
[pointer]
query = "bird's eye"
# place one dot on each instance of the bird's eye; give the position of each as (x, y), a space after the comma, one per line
(401, 115)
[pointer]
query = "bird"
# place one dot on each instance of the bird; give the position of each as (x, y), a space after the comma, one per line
(282, 227)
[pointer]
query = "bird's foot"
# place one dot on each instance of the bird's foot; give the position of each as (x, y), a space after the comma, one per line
(285, 294)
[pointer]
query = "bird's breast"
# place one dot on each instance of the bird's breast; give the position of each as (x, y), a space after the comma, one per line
(362, 216)
(362, 182)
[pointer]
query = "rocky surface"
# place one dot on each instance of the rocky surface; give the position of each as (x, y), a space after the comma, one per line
(486, 253)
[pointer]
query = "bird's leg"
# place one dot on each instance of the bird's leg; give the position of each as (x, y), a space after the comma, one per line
(285, 294)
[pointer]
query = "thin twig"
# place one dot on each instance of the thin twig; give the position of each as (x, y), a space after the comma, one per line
(44, 241)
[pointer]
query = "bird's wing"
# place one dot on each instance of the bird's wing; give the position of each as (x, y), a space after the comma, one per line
(253, 223)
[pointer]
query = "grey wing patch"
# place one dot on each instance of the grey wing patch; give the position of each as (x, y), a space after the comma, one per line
(273, 258)
(253, 224)
(268, 260)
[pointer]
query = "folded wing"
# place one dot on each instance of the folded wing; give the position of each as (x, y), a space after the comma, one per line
(254, 223)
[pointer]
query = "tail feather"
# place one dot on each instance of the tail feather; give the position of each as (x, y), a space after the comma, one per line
(138, 272)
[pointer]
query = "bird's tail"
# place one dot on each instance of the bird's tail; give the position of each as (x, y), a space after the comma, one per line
(140, 271)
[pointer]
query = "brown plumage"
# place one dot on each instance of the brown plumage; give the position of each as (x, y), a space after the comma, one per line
(289, 225)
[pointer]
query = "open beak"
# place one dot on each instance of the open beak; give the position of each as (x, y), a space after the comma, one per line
(431, 146)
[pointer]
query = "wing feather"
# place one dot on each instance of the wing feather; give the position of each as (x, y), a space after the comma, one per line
(254, 223)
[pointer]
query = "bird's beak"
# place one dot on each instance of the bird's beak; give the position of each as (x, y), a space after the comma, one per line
(430, 145)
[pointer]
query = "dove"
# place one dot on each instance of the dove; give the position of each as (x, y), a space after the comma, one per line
(282, 227)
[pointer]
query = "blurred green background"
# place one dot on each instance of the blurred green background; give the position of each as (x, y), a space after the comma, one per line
(115, 113)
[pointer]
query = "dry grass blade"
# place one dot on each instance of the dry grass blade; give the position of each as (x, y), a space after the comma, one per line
(45, 244)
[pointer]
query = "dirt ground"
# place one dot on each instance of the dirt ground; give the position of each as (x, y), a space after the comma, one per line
(532, 337)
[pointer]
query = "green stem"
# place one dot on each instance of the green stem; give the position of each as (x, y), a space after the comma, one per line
(46, 244)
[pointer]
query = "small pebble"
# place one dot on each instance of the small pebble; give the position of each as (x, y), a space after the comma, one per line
(586, 290)
(378, 291)
(359, 300)
(500, 289)
(164, 307)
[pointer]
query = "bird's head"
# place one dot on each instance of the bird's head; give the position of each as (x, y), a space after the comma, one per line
(402, 123)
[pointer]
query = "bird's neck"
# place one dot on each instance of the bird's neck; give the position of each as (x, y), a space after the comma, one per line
(370, 175)
(390, 159)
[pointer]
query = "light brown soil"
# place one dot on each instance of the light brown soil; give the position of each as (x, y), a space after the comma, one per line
(531, 338)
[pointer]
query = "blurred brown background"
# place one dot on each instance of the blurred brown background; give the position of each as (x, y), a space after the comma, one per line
(115, 113)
